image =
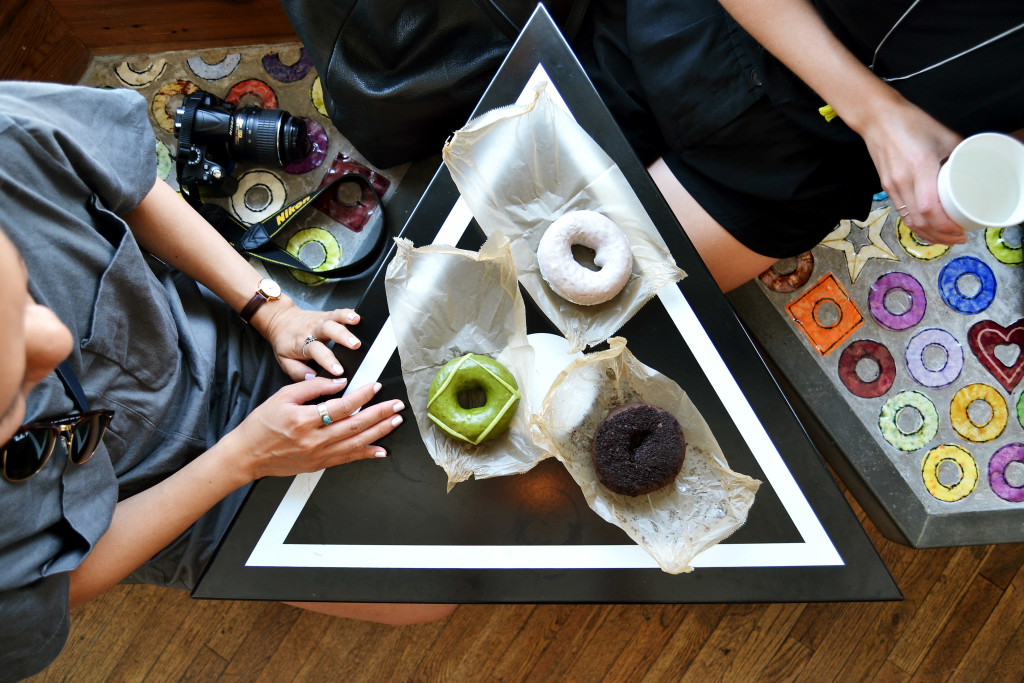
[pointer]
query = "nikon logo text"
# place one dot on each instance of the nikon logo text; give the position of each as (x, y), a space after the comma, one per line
(291, 210)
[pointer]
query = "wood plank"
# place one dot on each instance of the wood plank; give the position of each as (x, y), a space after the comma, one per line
(720, 651)
(787, 663)
(187, 646)
(163, 618)
(87, 625)
(271, 624)
(993, 638)
(648, 642)
(573, 637)
(774, 622)
(471, 639)
(340, 639)
(687, 642)
(36, 44)
(128, 26)
(1010, 664)
(958, 631)
(545, 629)
(1003, 563)
(117, 635)
(298, 645)
(937, 608)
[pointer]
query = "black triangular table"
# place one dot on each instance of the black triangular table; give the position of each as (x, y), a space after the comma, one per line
(386, 530)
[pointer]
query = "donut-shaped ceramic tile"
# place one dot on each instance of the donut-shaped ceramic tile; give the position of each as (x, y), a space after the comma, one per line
(922, 251)
(888, 421)
(934, 377)
(960, 417)
(316, 97)
(810, 310)
(902, 282)
(957, 456)
(260, 195)
(318, 146)
(217, 70)
(243, 94)
(1010, 254)
(867, 349)
(954, 295)
(164, 161)
(287, 73)
(777, 281)
(139, 77)
(166, 101)
(997, 464)
(324, 246)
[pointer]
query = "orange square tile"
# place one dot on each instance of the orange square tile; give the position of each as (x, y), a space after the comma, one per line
(826, 314)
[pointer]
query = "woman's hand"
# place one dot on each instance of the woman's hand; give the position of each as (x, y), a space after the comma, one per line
(283, 436)
(288, 327)
(908, 146)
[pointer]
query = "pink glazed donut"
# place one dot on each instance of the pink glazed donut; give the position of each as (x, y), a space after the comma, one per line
(573, 281)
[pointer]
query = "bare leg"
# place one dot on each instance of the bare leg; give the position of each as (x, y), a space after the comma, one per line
(730, 263)
(396, 614)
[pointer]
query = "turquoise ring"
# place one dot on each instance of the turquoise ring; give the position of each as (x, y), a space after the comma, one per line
(322, 407)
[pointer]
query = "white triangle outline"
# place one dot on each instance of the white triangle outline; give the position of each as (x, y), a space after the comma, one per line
(816, 548)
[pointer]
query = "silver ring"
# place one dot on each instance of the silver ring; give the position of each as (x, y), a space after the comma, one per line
(904, 215)
(900, 208)
(309, 340)
(322, 408)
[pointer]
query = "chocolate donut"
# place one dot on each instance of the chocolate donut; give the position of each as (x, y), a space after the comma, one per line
(638, 449)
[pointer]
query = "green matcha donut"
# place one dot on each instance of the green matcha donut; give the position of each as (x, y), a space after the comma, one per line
(467, 374)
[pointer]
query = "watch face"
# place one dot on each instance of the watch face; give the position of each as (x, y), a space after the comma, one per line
(271, 289)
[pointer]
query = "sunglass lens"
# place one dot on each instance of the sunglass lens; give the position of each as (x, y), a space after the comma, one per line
(87, 437)
(27, 453)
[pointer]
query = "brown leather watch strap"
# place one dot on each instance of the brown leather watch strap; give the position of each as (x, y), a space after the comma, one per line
(257, 300)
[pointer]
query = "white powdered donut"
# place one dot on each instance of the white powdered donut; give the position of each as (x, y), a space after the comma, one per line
(566, 276)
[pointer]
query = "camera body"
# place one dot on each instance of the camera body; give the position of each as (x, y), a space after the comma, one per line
(213, 135)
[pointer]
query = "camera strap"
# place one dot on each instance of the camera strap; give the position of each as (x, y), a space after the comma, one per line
(256, 240)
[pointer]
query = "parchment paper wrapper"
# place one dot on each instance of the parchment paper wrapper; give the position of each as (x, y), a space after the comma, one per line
(706, 503)
(519, 168)
(446, 302)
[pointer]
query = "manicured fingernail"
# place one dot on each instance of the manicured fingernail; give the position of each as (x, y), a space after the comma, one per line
(336, 368)
(340, 380)
(399, 406)
(353, 317)
(310, 375)
(396, 420)
(376, 387)
(354, 343)
(380, 454)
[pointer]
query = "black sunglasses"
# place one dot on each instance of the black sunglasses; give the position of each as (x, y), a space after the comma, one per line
(31, 446)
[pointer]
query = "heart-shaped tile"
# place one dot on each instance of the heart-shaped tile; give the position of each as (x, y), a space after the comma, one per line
(986, 337)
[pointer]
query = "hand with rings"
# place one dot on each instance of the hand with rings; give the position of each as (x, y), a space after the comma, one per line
(299, 336)
(907, 147)
(304, 427)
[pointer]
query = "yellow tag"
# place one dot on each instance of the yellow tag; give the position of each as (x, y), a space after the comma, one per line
(828, 112)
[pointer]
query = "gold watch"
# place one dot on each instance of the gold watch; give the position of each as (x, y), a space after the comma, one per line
(266, 290)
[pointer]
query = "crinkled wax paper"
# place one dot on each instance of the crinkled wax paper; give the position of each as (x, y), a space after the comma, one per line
(446, 302)
(707, 502)
(519, 168)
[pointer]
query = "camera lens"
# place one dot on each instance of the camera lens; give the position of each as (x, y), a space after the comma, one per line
(268, 136)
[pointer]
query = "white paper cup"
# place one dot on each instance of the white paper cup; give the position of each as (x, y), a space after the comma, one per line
(981, 185)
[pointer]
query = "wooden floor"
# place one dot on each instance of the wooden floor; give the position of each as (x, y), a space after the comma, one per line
(962, 619)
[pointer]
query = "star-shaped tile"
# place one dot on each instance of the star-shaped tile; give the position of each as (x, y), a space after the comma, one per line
(856, 259)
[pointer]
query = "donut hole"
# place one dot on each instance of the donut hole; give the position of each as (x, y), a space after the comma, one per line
(471, 398)
(636, 441)
(934, 357)
(251, 99)
(827, 313)
(867, 369)
(786, 266)
(979, 412)
(898, 301)
(1007, 354)
(312, 254)
(968, 285)
(348, 193)
(949, 473)
(1014, 474)
(909, 420)
(258, 197)
(584, 256)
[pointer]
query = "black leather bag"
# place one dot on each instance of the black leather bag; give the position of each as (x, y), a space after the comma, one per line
(399, 76)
